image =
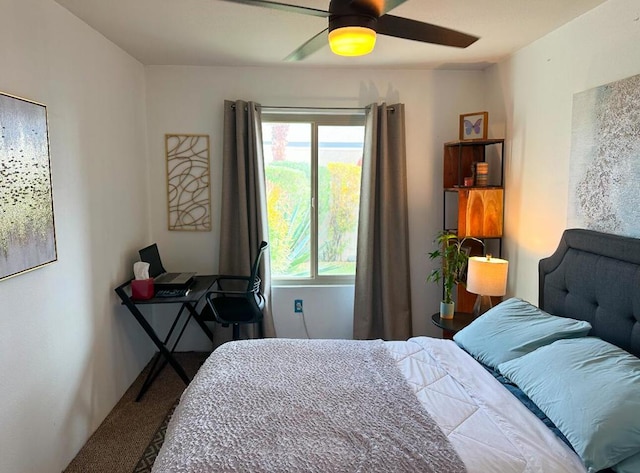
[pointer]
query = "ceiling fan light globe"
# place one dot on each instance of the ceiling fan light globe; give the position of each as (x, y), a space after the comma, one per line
(352, 41)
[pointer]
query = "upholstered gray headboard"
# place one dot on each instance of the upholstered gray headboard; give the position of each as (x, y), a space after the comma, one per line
(595, 277)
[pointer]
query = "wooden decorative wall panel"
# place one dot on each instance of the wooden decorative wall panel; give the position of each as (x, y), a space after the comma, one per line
(480, 212)
(188, 182)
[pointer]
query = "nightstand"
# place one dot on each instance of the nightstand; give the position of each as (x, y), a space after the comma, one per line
(450, 326)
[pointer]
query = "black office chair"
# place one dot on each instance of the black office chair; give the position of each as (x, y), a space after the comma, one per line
(237, 300)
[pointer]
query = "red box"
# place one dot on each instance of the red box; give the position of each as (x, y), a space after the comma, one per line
(142, 289)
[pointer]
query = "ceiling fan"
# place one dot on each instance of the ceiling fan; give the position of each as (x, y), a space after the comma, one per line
(353, 25)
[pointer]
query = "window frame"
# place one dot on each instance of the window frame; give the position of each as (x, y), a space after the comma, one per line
(316, 118)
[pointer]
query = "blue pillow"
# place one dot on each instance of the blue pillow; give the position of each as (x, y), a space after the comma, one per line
(514, 328)
(590, 389)
(628, 465)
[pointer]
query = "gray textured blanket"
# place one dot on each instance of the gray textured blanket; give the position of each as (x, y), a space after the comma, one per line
(302, 406)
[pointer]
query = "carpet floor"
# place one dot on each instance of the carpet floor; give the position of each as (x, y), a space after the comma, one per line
(145, 464)
(126, 439)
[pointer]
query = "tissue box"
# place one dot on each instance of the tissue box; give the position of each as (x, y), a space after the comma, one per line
(142, 288)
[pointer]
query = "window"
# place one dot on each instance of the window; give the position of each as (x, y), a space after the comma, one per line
(313, 165)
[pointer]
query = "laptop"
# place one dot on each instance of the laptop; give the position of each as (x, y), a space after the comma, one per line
(161, 278)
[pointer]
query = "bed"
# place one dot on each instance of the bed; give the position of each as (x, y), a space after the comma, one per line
(507, 395)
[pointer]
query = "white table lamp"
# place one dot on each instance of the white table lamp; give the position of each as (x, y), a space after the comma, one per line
(486, 276)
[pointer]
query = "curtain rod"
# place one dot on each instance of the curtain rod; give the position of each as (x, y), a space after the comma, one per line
(315, 108)
(276, 107)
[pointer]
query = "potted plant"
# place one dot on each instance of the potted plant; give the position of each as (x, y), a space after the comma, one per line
(454, 257)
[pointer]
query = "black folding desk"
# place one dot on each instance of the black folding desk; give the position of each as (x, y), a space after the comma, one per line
(189, 302)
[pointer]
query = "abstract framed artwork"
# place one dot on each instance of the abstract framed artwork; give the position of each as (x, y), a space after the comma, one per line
(188, 191)
(473, 126)
(27, 230)
(604, 169)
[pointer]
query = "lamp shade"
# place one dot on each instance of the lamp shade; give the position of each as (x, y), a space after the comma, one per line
(487, 276)
(352, 40)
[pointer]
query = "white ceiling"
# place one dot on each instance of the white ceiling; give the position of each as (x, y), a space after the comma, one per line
(219, 33)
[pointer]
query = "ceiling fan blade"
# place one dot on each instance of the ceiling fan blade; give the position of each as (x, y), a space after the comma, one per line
(418, 31)
(390, 5)
(380, 7)
(283, 6)
(314, 44)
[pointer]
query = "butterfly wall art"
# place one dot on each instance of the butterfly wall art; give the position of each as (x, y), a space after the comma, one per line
(473, 126)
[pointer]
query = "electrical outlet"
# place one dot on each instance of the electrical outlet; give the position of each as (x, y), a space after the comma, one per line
(297, 306)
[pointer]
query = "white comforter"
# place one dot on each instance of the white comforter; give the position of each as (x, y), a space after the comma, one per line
(489, 428)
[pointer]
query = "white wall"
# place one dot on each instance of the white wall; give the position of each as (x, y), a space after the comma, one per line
(327, 311)
(190, 99)
(67, 349)
(531, 94)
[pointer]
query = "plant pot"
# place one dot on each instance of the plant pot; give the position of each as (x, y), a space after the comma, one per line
(447, 309)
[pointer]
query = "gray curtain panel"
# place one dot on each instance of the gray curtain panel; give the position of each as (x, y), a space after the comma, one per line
(382, 306)
(244, 203)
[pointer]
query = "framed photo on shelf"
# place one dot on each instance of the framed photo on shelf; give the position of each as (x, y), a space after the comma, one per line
(473, 126)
